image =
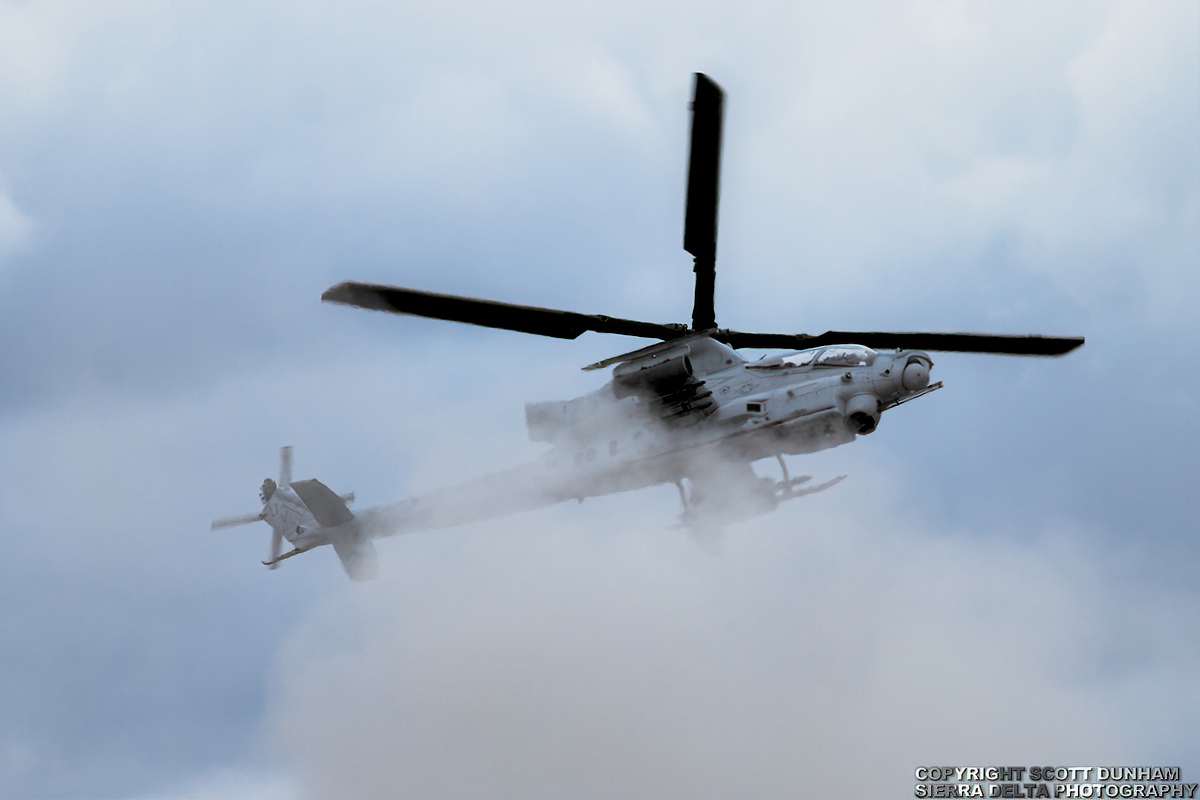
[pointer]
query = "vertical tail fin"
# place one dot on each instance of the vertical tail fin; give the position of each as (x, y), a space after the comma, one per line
(349, 541)
(357, 554)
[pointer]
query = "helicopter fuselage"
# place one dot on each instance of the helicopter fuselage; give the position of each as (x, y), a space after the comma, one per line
(691, 410)
(714, 402)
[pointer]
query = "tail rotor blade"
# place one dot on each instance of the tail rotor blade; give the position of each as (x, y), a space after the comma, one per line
(276, 546)
(231, 522)
(285, 466)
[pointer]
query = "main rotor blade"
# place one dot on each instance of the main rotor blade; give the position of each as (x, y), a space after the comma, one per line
(703, 192)
(945, 342)
(491, 314)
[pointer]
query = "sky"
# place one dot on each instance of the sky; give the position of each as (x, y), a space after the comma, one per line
(1006, 576)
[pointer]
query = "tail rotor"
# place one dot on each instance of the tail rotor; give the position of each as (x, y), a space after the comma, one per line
(307, 514)
(268, 489)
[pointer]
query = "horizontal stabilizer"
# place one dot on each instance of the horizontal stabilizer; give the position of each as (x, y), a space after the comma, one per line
(326, 506)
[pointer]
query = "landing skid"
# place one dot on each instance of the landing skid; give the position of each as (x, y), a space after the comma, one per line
(698, 516)
(786, 491)
(786, 488)
(289, 554)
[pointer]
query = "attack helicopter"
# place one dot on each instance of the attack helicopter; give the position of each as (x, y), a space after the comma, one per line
(688, 410)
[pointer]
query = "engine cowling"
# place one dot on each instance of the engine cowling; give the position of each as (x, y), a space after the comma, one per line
(660, 374)
(862, 413)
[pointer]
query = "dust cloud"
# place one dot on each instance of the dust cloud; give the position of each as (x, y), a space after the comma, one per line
(826, 651)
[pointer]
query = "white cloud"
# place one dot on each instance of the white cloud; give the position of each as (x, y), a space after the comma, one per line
(915, 143)
(832, 647)
(248, 784)
(16, 228)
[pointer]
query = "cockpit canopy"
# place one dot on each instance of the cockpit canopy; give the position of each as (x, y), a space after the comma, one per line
(838, 355)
